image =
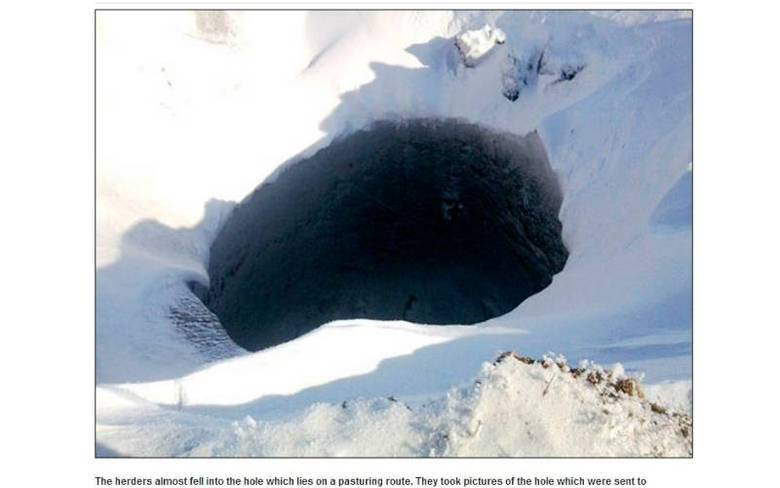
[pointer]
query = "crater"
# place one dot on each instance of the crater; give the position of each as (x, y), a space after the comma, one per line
(428, 221)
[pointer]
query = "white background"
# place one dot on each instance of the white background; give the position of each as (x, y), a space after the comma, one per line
(46, 153)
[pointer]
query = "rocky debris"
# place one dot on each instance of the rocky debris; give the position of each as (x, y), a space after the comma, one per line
(513, 355)
(593, 375)
(657, 408)
(629, 386)
(594, 411)
(611, 385)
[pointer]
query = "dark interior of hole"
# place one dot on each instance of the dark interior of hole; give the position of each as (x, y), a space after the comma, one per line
(429, 221)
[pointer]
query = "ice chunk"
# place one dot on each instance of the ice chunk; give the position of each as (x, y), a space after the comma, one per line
(474, 45)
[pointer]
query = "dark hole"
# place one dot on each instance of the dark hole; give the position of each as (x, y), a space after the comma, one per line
(430, 221)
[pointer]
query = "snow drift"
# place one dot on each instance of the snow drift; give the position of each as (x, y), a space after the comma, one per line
(193, 112)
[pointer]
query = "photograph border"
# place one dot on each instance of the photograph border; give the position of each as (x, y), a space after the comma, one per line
(96, 11)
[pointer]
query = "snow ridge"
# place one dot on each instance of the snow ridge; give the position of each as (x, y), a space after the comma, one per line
(516, 406)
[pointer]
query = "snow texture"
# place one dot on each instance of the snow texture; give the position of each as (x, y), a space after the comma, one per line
(512, 408)
(474, 45)
(193, 113)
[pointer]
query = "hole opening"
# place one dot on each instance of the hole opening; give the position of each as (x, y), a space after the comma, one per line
(433, 221)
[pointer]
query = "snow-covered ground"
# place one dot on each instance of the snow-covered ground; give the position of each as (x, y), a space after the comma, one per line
(511, 408)
(195, 110)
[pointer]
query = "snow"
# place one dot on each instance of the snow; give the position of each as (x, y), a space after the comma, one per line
(293, 367)
(509, 409)
(194, 113)
(474, 45)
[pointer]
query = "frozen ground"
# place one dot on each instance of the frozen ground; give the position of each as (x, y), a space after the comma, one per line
(194, 110)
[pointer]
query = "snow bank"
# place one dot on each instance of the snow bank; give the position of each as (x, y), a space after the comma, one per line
(514, 407)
